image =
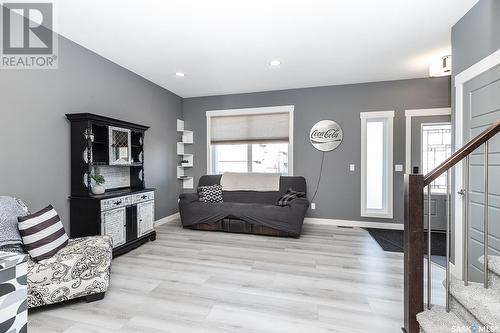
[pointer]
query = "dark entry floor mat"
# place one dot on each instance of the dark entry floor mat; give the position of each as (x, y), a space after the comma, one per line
(392, 241)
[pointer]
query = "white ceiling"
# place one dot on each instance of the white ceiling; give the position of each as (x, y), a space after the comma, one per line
(225, 46)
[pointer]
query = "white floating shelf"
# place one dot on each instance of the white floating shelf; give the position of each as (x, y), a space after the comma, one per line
(180, 148)
(187, 182)
(180, 125)
(186, 139)
(188, 158)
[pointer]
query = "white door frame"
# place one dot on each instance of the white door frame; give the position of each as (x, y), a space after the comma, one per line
(418, 113)
(461, 79)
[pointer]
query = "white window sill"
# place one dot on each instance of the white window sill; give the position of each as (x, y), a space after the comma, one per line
(377, 215)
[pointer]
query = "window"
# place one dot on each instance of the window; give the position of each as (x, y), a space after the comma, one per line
(436, 147)
(376, 164)
(261, 157)
(250, 140)
(233, 158)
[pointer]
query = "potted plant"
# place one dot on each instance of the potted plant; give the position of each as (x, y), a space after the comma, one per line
(99, 180)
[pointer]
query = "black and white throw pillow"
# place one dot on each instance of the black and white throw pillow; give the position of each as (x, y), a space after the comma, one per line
(289, 196)
(42, 233)
(210, 193)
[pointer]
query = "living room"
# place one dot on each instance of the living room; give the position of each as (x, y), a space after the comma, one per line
(194, 166)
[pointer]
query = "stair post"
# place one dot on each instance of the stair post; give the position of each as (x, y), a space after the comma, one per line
(414, 253)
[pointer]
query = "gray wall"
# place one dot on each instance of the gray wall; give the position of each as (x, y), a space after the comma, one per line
(34, 132)
(476, 35)
(339, 193)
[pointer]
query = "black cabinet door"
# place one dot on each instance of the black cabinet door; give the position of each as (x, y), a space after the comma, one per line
(131, 223)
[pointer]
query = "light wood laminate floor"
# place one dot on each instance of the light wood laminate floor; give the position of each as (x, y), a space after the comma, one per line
(330, 280)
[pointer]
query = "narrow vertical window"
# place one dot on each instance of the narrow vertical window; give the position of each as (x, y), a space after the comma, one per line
(376, 164)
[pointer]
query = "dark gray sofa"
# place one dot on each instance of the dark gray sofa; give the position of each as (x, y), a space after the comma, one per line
(246, 211)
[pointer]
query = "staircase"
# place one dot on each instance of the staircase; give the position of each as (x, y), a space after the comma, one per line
(473, 308)
(470, 306)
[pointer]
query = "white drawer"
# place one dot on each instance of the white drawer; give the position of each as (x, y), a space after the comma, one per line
(116, 202)
(141, 197)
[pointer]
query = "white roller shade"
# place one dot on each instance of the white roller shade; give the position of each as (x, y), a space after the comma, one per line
(249, 128)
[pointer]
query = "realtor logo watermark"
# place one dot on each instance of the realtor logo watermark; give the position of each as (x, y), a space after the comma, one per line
(27, 40)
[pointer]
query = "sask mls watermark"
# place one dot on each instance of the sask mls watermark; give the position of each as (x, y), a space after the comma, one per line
(475, 328)
(27, 40)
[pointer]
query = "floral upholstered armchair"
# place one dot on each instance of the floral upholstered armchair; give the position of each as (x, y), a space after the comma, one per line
(81, 269)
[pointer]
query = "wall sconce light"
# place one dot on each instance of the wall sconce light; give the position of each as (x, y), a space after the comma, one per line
(441, 67)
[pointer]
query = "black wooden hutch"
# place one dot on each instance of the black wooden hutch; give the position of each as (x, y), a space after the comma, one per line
(114, 149)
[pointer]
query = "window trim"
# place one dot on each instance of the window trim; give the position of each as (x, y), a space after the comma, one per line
(251, 111)
(387, 212)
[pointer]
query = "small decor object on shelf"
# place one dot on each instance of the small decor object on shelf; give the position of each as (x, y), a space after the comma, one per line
(99, 180)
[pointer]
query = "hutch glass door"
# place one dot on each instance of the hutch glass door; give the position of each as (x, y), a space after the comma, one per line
(119, 146)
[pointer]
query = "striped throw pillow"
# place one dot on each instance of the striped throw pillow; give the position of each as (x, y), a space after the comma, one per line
(42, 233)
(289, 196)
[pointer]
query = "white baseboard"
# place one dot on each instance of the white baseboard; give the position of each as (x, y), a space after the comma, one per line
(359, 224)
(167, 219)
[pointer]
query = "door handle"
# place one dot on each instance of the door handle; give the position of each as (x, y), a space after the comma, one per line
(461, 192)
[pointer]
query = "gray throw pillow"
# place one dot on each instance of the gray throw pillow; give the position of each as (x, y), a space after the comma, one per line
(10, 210)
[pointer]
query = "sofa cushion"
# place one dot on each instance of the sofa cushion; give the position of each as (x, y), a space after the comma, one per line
(210, 193)
(10, 210)
(270, 198)
(81, 268)
(43, 233)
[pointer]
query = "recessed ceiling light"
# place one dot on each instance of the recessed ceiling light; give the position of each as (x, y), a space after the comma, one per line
(275, 63)
(180, 74)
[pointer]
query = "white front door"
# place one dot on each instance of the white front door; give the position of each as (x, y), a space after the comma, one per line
(481, 106)
(467, 124)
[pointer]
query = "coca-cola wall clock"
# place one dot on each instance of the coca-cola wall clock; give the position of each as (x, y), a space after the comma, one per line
(326, 135)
